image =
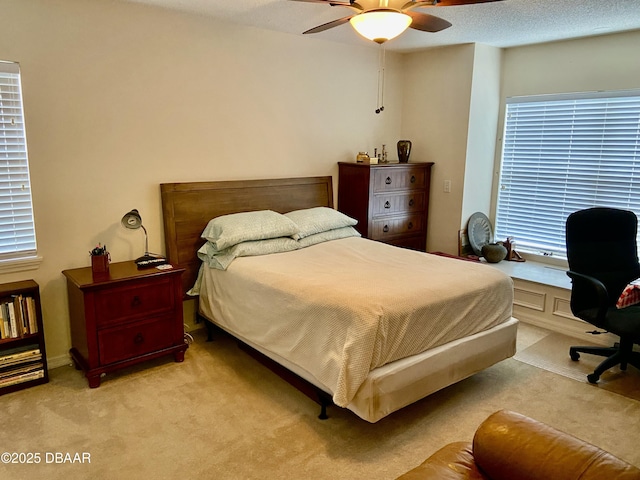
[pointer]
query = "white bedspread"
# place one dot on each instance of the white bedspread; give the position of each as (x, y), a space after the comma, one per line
(342, 308)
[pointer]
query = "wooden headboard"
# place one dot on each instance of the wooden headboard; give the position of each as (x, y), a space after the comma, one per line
(188, 207)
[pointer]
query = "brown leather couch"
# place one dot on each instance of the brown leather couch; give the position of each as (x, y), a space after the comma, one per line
(510, 446)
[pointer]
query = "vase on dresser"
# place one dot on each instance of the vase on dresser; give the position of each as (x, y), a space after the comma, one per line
(404, 150)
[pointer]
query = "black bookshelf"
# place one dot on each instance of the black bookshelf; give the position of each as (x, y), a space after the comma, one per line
(23, 358)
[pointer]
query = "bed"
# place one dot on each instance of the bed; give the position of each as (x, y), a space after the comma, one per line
(351, 322)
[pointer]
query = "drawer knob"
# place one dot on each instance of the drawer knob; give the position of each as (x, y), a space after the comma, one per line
(411, 202)
(413, 179)
(387, 204)
(388, 181)
(138, 339)
(410, 226)
(385, 229)
(136, 301)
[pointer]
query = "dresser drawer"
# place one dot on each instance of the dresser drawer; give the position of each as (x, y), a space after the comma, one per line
(401, 225)
(135, 339)
(119, 304)
(390, 179)
(386, 204)
(410, 242)
(390, 201)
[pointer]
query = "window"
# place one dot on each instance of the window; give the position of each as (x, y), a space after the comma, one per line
(564, 153)
(17, 232)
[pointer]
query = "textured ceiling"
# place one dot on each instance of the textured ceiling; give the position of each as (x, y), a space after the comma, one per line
(503, 23)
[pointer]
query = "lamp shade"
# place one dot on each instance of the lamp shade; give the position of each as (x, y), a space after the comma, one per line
(380, 25)
(132, 219)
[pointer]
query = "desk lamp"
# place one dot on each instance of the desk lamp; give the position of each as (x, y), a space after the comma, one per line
(132, 220)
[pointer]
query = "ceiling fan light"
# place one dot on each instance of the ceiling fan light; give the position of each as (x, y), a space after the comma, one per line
(380, 25)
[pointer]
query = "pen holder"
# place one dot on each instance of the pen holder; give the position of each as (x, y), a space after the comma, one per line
(100, 264)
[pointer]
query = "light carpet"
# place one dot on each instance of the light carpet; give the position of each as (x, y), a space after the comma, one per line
(552, 353)
(222, 415)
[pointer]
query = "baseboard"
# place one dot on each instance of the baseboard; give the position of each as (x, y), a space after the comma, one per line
(59, 361)
(570, 328)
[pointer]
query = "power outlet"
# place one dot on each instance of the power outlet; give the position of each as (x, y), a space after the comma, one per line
(447, 186)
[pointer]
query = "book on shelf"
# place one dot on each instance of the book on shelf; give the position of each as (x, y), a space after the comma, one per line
(18, 356)
(18, 365)
(12, 321)
(20, 369)
(21, 378)
(31, 315)
(18, 317)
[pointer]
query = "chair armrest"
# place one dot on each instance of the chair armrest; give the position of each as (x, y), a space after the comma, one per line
(452, 462)
(508, 445)
(600, 297)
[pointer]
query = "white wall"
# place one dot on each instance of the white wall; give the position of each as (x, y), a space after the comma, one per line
(608, 62)
(120, 98)
(436, 119)
(481, 137)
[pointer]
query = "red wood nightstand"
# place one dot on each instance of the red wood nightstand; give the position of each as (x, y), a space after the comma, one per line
(124, 318)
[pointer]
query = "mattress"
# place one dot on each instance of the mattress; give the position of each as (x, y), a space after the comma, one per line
(336, 311)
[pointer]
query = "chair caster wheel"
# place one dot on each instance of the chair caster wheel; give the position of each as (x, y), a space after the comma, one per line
(574, 356)
(593, 378)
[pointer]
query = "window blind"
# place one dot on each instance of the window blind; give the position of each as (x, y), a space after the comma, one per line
(17, 232)
(562, 154)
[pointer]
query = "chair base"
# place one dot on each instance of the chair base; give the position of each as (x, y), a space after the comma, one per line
(620, 354)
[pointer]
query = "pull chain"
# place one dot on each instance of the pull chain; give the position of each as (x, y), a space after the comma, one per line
(381, 65)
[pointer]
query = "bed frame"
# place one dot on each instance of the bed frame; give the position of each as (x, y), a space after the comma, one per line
(188, 207)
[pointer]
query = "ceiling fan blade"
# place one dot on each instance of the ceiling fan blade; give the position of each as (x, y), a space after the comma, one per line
(347, 3)
(329, 2)
(451, 3)
(426, 22)
(333, 3)
(413, 4)
(439, 3)
(327, 26)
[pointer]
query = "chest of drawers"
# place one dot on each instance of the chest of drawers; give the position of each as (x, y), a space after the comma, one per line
(125, 318)
(389, 200)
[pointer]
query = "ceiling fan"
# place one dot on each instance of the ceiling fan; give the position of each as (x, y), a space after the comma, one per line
(382, 20)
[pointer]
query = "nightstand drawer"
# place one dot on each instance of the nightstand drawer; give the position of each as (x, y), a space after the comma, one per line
(388, 180)
(129, 341)
(398, 203)
(389, 227)
(119, 304)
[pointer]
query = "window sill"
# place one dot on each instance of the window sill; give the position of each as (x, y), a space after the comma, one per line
(20, 264)
(537, 272)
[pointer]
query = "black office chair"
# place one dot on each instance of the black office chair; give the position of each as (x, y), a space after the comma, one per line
(603, 259)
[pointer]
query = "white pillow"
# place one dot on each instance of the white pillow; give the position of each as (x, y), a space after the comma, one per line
(229, 230)
(334, 234)
(319, 219)
(222, 259)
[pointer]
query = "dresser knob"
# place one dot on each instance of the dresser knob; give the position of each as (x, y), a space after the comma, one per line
(388, 181)
(387, 204)
(413, 179)
(385, 229)
(136, 301)
(138, 339)
(411, 202)
(410, 226)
